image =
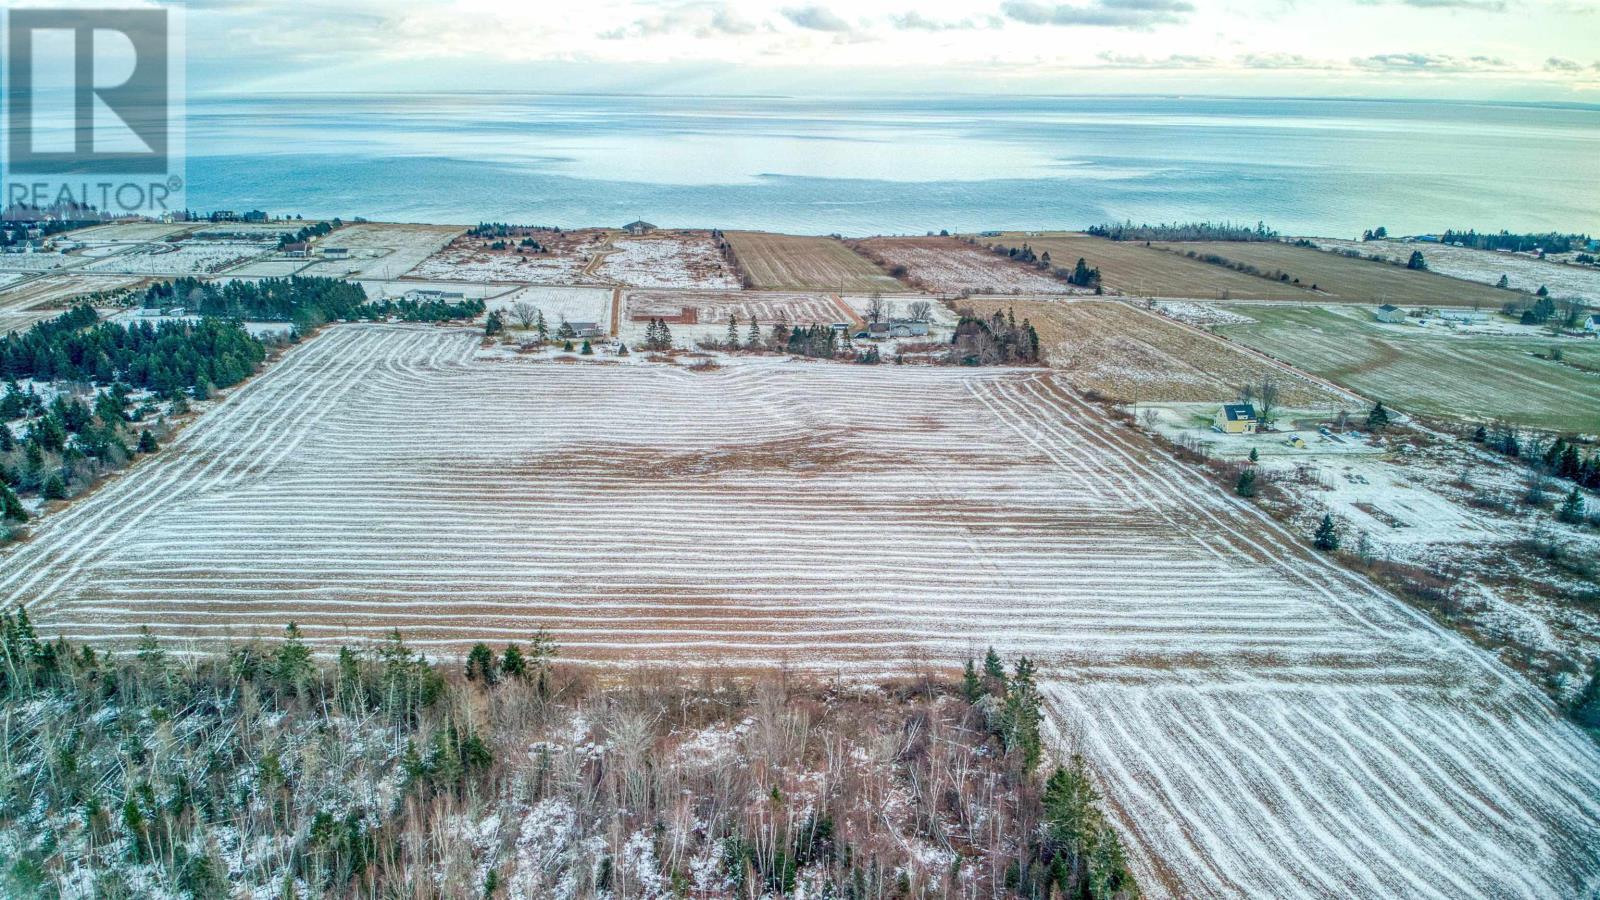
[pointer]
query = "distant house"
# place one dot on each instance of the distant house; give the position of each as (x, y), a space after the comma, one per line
(254, 215)
(1592, 324)
(586, 330)
(297, 249)
(1465, 316)
(639, 226)
(434, 294)
(1238, 418)
(336, 252)
(897, 328)
(1390, 313)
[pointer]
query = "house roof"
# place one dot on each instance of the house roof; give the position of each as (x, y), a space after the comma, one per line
(1388, 307)
(638, 223)
(1239, 412)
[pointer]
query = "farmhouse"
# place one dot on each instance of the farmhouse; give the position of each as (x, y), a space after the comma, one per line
(639, 226)
(1592, 324)
(1238, 418)
(586, 329)
(1464, 316)
(297, 249)
(1390, 313)
(896, 328)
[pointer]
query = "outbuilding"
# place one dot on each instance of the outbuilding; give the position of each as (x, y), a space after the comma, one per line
(1390, 313)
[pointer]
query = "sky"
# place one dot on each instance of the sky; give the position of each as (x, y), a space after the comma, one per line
(1516, 50)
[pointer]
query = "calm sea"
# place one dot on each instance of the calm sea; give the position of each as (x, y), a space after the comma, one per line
(1330, 167)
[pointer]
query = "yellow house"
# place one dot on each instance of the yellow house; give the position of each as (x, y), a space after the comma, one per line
(1238, 418)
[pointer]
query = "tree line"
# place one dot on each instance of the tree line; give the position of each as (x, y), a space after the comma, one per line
(1184, 231)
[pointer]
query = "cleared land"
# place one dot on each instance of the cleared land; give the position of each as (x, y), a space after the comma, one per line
(475, 258)
(1522, 273)
(43, 298)
(1346, 280)
(791, 263)
(1270, 725)
(189, 257)
(948, 266)
(1431, 371)
(695, 316)
(1131, 355)
(667, 260)
(382, 250)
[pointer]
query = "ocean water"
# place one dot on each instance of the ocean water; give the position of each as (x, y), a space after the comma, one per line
(869, 166)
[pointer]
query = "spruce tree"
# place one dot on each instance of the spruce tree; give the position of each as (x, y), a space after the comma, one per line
(542, 328)
(11, 509)
(1572, 508)
(1327, 535)
(480, 664)
(752, 340)
(971, 685)
(1255, 455)
(993, 668)
(291, 664)
(1378, 418)
(1246, 486)
(8, 441)
(147, 442)
(512, 663)
(54, 488)
(586, 349)
(732, 339)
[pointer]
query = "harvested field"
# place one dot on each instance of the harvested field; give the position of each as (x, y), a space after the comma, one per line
(470, 258)
(668, 260)
(1434, 371)
(948, 266)
(1130, 355)
(792, 263)
(571, 304)
(1346, 280)
(187, 257)
(1129, 267)
(382, 250)
(122, 232)
(1269, 725)
(1522, 272)
(37, 262)
(46, 296)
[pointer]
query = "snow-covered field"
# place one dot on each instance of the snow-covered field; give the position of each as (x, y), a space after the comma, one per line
(572, 304)
(668, 261)
(1201, 314)
(1523, 273)
(121, 232)
(183, 258)
(382, 250)
(712, 310)
(36, 262)
(1267, 724)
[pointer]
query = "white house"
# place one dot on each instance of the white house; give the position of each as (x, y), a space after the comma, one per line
(1389, 313)
(1592, 324)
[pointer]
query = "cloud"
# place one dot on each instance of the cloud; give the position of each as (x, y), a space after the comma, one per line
(1134, 14)
(1429, 62)
(1496, 6)
(1140, 61)
(1282, 61)
(1557, 64)
(916, 21)
(699, 19)
(816, 18)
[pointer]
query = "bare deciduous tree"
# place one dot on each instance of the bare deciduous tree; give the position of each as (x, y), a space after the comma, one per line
(875, 307)
(920, 310)
(525, 313)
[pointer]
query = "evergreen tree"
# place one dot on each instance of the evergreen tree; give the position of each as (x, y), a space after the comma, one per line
(512, 663)
(493, 324)
(1572, 509)
(1503, 283)
(1246, 486)
(586, 349)
(1416, 262)
(1255, 455)
(542, 328)
(1327, 535)
(566, 332)
(971, 685)
(731, 342)
(8, 441)
(291, 664)
(481, 665)
(1377, 418)
(54, 488)
(993, 668)
(11, 509)
(1021, 716)
(566, 347)
(1586, 708)
(752, 340)
(147, 441)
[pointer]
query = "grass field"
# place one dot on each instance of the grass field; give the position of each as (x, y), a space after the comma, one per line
(1433, 372)
(1267, 723)
(43, 298)
(945, 265)
(1127, 354)
(1346, 280)
(792, 263)
(1129, 267)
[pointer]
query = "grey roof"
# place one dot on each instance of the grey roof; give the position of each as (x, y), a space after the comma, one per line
(1239, 412)
(1389, 307)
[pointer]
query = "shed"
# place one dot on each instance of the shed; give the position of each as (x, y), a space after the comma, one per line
(1390, 313)
(1238, 418)
(638, 226)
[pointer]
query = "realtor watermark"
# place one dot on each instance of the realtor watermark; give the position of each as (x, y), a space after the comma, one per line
(91, 112)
